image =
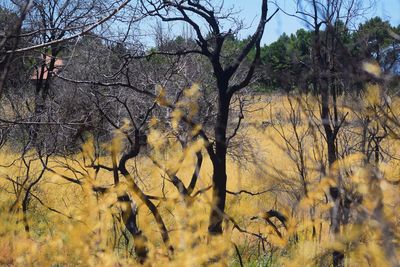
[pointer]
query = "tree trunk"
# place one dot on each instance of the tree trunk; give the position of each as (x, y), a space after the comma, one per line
(219, 165)
(336, 212)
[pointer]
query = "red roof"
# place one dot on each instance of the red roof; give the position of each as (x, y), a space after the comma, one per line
(57, 66)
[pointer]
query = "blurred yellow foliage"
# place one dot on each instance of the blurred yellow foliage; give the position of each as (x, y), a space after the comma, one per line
(73, 226)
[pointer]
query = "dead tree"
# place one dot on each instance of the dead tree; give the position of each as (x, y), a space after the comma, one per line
(331, 65)
(210, 44)
(9, 42)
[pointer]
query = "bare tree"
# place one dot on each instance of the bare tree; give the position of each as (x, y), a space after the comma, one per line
(210, 44)
(9, 41)
(331, 65)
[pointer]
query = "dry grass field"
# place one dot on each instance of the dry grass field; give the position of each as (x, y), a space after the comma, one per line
(70, 225)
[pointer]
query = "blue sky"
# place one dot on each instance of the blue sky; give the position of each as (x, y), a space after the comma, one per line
(250, 9)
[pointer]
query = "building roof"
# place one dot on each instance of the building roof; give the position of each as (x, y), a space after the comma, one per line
(37, 71)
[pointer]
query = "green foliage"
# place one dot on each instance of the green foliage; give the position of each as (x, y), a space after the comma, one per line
(285, 62)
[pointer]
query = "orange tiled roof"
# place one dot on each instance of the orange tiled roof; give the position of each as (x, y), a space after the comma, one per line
(57, 66)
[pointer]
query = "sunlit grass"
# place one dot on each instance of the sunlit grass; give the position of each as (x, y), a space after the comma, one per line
(70, 225)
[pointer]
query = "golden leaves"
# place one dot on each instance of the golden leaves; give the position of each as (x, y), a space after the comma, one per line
(156, 139)
(372, 68)
(177, 115)
(161, 96)
(94, 235)
(373, 95)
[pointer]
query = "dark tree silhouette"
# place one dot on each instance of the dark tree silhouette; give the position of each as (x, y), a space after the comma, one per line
(211, 44)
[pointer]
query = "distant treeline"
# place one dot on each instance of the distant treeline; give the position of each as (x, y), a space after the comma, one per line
(286, 63)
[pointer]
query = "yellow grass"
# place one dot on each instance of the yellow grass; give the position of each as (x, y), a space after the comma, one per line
(85, 234)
